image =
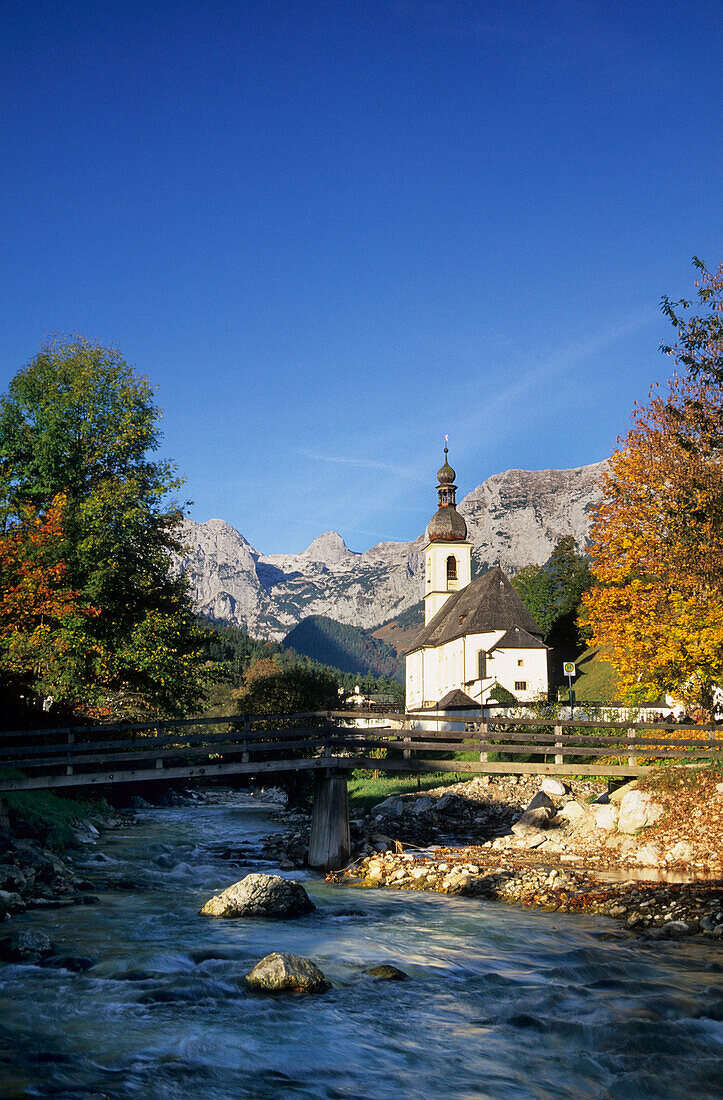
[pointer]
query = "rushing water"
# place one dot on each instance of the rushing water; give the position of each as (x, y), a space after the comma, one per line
(501, 1002)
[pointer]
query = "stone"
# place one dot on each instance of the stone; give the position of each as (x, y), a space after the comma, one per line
(576, 815)
(553, 786)
(537, 815)
(682, 852)
(25, 946)
(387, 973)
(268, 896)
(282, 972)
(10, 902)
(638, 809)
(606, 816)
(648, 856)
(619, 793)
(674, 929)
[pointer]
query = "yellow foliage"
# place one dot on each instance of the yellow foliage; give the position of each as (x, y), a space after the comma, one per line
(657, 549)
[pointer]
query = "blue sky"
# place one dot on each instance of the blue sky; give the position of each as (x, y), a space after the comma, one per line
(330, 232)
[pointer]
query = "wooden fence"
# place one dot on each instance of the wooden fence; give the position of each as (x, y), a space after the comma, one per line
(205, 748)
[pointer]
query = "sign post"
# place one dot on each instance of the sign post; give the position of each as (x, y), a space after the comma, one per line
(569, 669)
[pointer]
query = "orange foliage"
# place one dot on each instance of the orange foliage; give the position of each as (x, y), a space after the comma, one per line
(34, 587)
(657, 549)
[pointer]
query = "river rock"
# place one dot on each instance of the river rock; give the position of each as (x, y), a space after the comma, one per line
(637, 810)
(606, 816)
(281, 972)
(10, 902)
(387, 973)
(576, 815)
(648, 856)
(260, 896)
(554, 787)
(537, 815)
(25, 946)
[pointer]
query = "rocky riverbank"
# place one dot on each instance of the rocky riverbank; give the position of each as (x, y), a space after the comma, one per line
(560, 845)
(33, 875)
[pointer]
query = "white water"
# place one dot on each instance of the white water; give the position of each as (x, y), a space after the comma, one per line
(501, 1003)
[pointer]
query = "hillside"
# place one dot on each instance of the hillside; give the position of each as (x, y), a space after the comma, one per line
(349, 648)
(401, 631)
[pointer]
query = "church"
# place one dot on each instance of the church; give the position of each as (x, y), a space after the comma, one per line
(477, 633)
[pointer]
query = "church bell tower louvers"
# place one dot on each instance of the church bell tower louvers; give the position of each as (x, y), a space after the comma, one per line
(447, 553)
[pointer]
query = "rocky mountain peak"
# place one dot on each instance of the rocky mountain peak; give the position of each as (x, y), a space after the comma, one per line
(513, 518)
(329, 547)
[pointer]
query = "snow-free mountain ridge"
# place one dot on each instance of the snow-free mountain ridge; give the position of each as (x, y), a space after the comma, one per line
(512, 518)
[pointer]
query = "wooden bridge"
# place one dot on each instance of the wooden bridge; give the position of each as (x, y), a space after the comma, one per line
(332, 743)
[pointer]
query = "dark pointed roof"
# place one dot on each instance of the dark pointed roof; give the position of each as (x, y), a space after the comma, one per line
(456, 699)
(488, 603)
(516, 638)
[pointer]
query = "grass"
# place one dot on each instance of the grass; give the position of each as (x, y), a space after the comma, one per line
(595, 681)
(365, 790)
(47, 817)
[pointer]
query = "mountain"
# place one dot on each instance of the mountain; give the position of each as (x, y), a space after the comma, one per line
(343, 646)
(512, 518)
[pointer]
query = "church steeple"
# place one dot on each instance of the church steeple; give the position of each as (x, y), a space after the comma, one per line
(448, 555)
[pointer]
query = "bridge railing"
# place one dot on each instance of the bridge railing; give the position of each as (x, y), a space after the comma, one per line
(387, 741)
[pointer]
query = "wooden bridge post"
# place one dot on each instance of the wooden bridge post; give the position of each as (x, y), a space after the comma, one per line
(558, 742)
(483, 756)
(330, 845)
(632, 760)
(71, 741)
(407, 753)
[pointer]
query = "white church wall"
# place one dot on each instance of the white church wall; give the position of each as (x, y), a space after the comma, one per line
(516, 667)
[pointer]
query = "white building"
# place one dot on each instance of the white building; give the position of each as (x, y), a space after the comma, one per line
(476, 633)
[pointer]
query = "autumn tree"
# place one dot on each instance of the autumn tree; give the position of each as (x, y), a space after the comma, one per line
(79, 422)
(44, 636)
(272, 687)
(657, 548)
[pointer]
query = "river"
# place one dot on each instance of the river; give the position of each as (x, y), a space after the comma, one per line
(502, 1002)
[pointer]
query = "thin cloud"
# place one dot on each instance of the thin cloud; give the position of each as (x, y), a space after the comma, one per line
(356, 463)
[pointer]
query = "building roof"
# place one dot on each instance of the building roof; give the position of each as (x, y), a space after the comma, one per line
(457, 700)
(488, 603)
(516, 638)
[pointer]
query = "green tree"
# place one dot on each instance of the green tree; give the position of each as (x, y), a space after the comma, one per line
(552, 592)
(534, 587)
(699, 348)
(270, 687)
(78, 421)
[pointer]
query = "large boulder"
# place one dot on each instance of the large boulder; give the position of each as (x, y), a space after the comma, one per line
(537, 815)
(638, 809)
(281, 972)
(260, 896)
(26, 946)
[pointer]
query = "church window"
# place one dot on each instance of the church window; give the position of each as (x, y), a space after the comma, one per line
(482, 664)
(520, 685)
(451, 568)
(520, 663)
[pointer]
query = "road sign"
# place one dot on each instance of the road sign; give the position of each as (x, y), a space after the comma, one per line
(569, 668)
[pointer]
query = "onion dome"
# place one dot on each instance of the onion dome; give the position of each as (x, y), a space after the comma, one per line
(447, 525)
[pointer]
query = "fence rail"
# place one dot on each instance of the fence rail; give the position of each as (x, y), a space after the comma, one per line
(189, 748)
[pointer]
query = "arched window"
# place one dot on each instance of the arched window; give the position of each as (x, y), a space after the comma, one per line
(451, 568)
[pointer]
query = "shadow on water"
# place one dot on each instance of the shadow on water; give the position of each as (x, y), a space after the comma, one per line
(500, 1002)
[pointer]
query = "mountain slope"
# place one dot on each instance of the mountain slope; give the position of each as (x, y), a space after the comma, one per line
(346, 647)
(513, 518)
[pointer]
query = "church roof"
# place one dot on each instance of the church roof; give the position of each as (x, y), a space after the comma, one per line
(488, 603)
(516, 638)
